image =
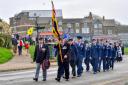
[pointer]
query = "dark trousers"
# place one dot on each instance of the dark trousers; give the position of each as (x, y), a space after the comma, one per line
(63, 68)
(73, 66)
(79, 66)
(112, 60)
(103, 60)
(20, 50)
(99, 64)
(107, 63)
(87, 61)
(95, 64)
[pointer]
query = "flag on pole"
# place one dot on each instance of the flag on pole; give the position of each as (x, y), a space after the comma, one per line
(30, 31)
(55, 29)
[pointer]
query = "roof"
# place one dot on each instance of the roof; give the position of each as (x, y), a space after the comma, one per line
(108, 22)
(73, 20)
(43, 13)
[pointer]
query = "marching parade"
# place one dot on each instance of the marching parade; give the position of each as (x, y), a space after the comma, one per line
(100, 55)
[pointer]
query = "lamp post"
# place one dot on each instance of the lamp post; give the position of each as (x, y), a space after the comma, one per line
(37, 28)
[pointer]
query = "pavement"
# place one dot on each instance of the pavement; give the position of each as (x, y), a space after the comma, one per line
(22, 62)
(118, 76)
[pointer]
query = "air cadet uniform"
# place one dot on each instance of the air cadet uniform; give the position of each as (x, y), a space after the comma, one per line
(108, 49)
(99, 48)
(81, 54)
(113, 57)
(94, 57)
(87, 57)
(103, 56)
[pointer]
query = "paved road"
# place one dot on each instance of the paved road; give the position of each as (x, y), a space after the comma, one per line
(119, 76)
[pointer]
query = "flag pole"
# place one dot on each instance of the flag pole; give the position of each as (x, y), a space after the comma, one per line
(55, 29)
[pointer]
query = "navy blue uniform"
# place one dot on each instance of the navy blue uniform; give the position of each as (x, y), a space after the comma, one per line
(87, 57)
(109, 55)
(94, 57)
(113, 57)
(81, 54)
(104, 53)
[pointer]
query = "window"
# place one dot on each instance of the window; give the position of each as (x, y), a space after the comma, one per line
(69, 25)
(31, 18)
(71, 30)
(85, 30)
(109, 32)
(98, 32)
(100, 25)
(77, 24)
(95, 25)
(77, 31)
(85, 25)
(60, 23)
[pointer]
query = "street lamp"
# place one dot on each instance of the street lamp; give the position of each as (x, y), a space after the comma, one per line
(37, 27)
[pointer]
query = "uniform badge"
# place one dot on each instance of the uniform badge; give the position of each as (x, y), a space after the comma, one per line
(64, 47)
(43, 49)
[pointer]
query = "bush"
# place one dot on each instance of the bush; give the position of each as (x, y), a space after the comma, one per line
(5, 41)
(2, 41)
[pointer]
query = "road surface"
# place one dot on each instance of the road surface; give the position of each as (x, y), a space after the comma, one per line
(118, 76)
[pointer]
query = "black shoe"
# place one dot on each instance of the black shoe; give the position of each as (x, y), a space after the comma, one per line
(35, 79)
(78, 75)
(87, 70)
(94, 72)
(57, 79)
(73, 77)
(104, 70)
(64, 77)
(44, 80)
(67, 80)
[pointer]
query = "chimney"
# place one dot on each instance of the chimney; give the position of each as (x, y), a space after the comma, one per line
(90, 15)
(103, 18)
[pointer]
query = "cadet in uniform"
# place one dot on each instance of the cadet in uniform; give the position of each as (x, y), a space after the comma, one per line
(108, 51)
(113, 57)
(87, 56)
(81, 54)
(94, 56)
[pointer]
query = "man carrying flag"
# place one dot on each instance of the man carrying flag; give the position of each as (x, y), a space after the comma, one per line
(63, 49)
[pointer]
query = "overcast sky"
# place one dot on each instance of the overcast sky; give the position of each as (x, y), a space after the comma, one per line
(111, 9)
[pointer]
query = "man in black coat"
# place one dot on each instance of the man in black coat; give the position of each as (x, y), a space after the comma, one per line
(63, 60)
(41, 53)
(73, 56)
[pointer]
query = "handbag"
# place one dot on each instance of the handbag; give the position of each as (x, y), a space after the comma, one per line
(45, 64)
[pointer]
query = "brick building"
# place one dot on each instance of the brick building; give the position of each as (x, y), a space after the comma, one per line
(91, 26)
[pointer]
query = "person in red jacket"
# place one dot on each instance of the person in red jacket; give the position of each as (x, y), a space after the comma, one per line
(27, 47)
(20, 45)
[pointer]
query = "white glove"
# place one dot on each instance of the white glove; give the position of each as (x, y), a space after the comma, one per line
(65, 56)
